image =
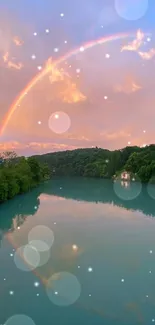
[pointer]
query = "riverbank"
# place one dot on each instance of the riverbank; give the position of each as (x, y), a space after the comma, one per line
(20, 175)
(101, 163)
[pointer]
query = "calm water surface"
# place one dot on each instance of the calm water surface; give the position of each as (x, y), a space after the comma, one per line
(99, 267)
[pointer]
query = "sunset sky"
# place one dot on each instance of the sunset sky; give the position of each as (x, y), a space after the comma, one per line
(93, 68)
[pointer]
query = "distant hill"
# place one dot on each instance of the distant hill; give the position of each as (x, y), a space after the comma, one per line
(97, 162)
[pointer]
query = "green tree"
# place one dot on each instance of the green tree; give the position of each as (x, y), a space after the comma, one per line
(35, 170)
(8, 157)
(45, 172)
(3, 187)
(18, 175)
(145, 173)
(13, 187)
(23, 175)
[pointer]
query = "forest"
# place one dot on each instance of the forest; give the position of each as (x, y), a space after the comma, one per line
(101, 163)
(20, 174)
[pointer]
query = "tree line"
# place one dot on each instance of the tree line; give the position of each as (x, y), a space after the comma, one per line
(20, 174)
(101, 163)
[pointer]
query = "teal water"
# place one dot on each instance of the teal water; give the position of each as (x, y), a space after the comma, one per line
(104, 238)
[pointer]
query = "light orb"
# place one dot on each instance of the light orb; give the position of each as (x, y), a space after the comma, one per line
(131, 9)
(63, 289)
(59, 122)
(19, 319)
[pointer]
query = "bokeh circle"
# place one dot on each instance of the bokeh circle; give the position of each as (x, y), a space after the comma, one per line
(41, 233)
(63, 289)
(127, 190)
(59, 122)
(20, 261)
(131, 9)
(39, 245)
(31, 256)
(43, 250)
(19, 320)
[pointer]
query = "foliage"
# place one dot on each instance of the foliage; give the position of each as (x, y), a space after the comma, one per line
(96, 162)
(143, 164)
(45, 172)
(8, 157)
(19, 175)
(3, 187)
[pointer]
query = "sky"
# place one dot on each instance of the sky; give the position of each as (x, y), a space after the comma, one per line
(76, 74)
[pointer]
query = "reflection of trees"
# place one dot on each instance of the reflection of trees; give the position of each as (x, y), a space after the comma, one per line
(13, 213)
(18, 221)
(98, 190)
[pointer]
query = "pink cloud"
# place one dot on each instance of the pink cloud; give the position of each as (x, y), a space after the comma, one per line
(34, 147)
(135, 44)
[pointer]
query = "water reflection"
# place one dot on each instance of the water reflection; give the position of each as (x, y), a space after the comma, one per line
(14, 212)
(99, 238)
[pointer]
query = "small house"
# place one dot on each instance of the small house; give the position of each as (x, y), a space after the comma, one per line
(125, 176)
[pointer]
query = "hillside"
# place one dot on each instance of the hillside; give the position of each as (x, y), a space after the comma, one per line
(97, 162)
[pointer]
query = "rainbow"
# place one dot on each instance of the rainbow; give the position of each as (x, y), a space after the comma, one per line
(49, 67)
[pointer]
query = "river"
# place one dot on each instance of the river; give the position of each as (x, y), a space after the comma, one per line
(78, 251)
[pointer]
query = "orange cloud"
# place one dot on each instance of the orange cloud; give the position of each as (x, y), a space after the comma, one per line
(147, 55)
(6, 56)
(35, 147)
(135, 44)
(56, 74)
(17, 66)
(11, 64)
(128, 87)
(69, 93)
(17, 41)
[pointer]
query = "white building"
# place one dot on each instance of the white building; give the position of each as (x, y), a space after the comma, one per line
(125, 176)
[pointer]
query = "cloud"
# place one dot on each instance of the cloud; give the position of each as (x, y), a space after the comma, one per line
(115, 135)
(8, 39)
(127, 89)
(17, 66)
(147, 55)
(135, 44)
(34, 147)
(11, 64)
(6, 56)
(68, 90)
(17, 41)
(71, 94)
(129, 86)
